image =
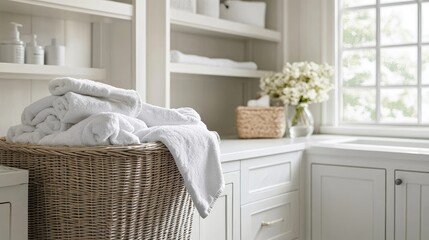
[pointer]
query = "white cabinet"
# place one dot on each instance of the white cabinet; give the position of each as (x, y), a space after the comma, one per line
(411, 205)
(270, 196)
(4, 221)
(260, 201)
(347, 203)
(13, 203)
(223, 223)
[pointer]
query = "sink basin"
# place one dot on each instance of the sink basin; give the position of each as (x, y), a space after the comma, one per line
(391, 143)
(381, 142)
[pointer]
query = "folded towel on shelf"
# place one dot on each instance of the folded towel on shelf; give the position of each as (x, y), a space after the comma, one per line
(73, 107)
(99, 129)
(179, 57)
(130, 98)
(158, 116)
(197, 156)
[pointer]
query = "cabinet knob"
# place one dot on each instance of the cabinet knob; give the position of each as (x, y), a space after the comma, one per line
(398, 181)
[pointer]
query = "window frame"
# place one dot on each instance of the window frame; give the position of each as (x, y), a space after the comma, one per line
(331, 122)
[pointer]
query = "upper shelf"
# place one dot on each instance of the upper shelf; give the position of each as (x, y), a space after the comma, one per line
(69, 8)
(215, 71)
(47, 72)
(181, 20)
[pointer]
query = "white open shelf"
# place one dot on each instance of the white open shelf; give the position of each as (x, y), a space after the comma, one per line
(215, 71)
(184, 21)
(47, 72)
(68, 8)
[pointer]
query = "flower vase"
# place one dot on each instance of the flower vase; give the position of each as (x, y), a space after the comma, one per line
(300, 121)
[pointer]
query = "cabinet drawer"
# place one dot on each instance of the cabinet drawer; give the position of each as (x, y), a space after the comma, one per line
(273, 218)
(269, 176)
(4, 221)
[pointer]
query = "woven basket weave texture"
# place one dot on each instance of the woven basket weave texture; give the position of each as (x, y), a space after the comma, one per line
(260, 122)
(108, 192)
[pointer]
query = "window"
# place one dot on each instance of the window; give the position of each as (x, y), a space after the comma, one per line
(383, 61)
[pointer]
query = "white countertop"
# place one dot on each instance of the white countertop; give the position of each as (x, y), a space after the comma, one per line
(235, 149)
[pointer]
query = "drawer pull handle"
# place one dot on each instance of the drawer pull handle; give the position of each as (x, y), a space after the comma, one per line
(266, 224)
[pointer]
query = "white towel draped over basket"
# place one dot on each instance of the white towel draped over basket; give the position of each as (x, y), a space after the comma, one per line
(84, 112)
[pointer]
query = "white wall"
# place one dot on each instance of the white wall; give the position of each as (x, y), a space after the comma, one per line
(309, 37)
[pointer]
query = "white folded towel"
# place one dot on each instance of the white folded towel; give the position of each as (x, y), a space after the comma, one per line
(158, 116)
(263, 101)
(99, 129)
(20, 134)
(51, 125)
(35, 113)
(130, 98)
(73, 107)
(179, 57)
(33, 134)
(197, 156)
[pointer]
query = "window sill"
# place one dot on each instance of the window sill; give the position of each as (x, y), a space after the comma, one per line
(378, 131)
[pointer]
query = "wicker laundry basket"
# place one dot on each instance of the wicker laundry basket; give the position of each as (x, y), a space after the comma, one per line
(260, 122)
(106, 192)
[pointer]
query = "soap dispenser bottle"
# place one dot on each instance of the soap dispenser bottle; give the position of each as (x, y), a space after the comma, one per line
(12, 50)
(55, 54)
(34, 54)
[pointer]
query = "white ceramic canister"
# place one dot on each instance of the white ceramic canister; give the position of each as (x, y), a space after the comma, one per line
(55, 54)
(34, 54)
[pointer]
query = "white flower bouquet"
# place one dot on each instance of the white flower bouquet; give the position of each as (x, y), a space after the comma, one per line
(300, 82)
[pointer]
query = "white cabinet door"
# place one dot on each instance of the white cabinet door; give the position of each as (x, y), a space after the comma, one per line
(272, 218)
(347, 203)
(4, 221)
(223, 223)
(411, 206)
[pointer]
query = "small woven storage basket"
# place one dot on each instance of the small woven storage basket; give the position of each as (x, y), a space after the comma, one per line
(261, 122)
(106, 192)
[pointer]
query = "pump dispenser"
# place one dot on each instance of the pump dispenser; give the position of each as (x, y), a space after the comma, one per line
(12, 50)
(34, 54)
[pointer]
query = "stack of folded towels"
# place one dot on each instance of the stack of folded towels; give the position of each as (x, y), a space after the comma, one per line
(179, 57)
(84, 112)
